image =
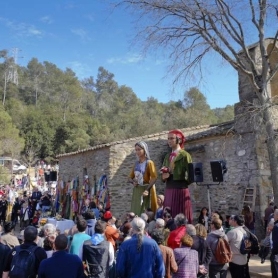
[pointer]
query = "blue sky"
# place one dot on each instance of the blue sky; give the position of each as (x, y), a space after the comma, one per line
(84, 35)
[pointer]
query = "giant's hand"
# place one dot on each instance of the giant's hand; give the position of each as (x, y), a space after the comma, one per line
(165, 176)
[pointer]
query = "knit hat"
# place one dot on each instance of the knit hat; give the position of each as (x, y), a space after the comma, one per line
(161, 197)
(107, 215)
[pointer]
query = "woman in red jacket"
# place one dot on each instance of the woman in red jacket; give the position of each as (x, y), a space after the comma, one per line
(174, 239)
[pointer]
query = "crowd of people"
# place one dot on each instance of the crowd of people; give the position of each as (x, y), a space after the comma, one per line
(133, 246)
(155, 238)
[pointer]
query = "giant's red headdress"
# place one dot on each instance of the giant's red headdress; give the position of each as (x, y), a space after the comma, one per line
(180, 135)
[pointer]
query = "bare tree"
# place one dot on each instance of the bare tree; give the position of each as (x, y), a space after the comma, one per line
(190, 29)
(8, 64)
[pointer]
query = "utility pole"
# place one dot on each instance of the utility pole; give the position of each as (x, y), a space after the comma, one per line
(12, 68)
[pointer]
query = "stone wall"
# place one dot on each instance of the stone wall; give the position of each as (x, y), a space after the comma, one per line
(241, 143)
(246, 162)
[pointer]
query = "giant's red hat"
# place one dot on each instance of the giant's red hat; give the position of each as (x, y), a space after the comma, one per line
(180, 135)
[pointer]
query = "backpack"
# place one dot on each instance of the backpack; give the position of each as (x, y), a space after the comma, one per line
(223, 253)
(249, 243)
(23, 262)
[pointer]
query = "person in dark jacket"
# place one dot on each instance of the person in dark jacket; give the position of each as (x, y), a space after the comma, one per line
(35, 198)
(200, 245)
(4, 251)
(61, 264)
(216, 269)
(30, 237)
(169, 221)
(45, 201)
(203, 217)
(3, 209)
(98, 253)
(274, 251)
(16, 210)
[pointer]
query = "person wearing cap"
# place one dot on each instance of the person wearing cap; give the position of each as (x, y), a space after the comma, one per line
(139, 256)
(175, 174)
(143, 177)
(111, 233)
(238, 265)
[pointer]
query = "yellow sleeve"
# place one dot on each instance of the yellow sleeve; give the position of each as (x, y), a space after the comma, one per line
(151, 172)
(131, 175)
(189, 158)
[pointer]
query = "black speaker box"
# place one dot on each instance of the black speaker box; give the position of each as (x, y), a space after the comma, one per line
(53, 176)
(218, 169)
(47, 176)
(195, 171)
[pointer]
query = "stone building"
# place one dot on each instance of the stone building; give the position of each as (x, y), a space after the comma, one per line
(241, 143)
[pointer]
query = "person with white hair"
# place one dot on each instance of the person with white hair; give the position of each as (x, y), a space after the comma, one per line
(48, 229)
(159, 223)
(139, 256)
(145, 217)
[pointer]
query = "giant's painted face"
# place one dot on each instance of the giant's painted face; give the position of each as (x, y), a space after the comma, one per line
(172, 140)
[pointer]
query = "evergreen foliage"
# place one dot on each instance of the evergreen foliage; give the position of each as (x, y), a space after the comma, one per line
(52, 112)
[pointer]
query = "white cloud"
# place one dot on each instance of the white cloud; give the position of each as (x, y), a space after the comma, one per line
(128, 59)
(90, 17)
(22, 29)
(46, 19)
(81, 70)
(159, 62)
(81, 33)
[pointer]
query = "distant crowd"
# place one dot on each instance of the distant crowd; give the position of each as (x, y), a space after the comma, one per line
(153, 244)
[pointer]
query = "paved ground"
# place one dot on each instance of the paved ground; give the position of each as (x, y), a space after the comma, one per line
(257, 269)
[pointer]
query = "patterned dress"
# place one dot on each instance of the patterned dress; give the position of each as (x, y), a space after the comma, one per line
(187, 261)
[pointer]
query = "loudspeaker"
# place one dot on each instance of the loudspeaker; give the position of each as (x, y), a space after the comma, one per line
(53, 176)
(195, 171)
(218, 169)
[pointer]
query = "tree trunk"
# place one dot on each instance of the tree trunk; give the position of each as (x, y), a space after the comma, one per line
(5, 89)
(272, 149)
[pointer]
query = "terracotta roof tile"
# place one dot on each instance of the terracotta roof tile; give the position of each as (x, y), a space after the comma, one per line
(191, 133)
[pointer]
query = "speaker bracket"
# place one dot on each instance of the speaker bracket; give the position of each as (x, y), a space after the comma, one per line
(208, 187)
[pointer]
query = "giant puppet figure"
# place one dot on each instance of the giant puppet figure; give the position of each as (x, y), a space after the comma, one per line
(175, 175)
